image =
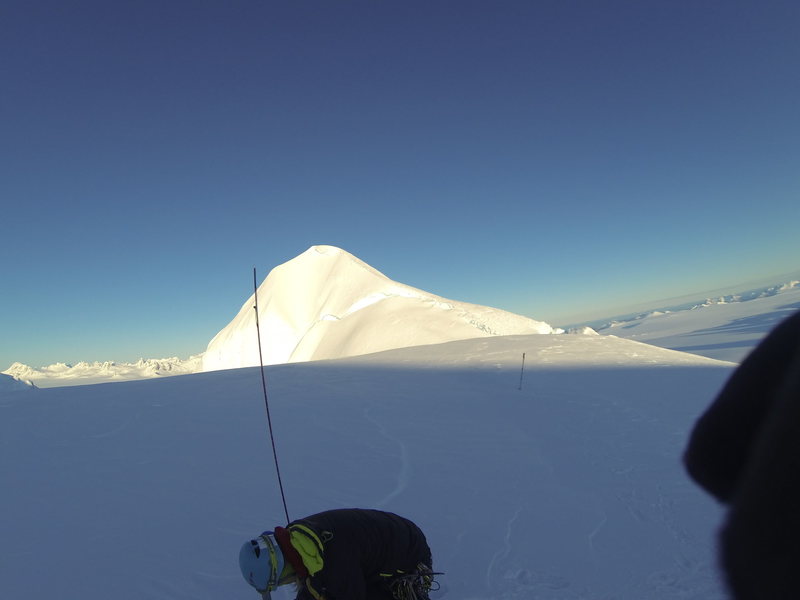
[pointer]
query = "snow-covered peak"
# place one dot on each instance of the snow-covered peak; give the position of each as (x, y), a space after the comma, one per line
(326, 303)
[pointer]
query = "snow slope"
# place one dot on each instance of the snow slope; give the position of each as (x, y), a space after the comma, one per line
(725, 328)
(570, 488)
(9, 383)
(326, 303)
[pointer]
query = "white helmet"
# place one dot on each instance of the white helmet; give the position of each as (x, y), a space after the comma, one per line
(261, 562)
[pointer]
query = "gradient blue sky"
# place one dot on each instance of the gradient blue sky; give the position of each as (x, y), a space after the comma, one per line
(562, 159)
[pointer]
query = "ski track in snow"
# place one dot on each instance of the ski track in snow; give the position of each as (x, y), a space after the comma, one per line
(593, 534)
(404, 474)
(504, 551)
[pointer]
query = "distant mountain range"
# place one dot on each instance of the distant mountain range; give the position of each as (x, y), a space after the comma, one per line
(328, 304)
(725, 327)
(767, 291)
(83, 373)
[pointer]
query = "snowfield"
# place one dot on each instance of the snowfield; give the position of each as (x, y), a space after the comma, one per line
(559, 481)
(725, 328)
(570, 488)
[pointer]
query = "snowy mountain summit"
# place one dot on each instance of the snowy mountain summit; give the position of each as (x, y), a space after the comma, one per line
(326, 303)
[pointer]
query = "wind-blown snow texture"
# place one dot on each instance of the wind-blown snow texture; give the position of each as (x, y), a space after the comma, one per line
(569, 489)
(326, 303)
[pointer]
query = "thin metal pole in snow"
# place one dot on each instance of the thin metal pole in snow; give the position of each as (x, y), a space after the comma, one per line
(522, 371)
(266, 400)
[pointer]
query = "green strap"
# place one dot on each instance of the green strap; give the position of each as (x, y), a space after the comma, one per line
(309, 533)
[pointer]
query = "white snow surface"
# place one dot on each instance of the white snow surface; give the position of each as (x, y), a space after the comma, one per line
(568, 488)
(725, 328)
(326, 303)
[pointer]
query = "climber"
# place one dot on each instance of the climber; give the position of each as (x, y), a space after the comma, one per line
(342, 554)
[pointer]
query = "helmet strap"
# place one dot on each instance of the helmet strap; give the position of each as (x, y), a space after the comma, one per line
(273, 560)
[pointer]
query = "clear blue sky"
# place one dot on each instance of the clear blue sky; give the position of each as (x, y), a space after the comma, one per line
(560, 159)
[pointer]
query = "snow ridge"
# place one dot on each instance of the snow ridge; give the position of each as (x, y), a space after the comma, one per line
(326, 304)
(9, 383)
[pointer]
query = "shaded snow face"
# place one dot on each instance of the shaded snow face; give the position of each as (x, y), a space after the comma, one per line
(569, 488)
(9, 384)
(326, 303)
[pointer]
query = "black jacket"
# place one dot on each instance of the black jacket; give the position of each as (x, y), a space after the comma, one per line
(745, 451)
(362, 548)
